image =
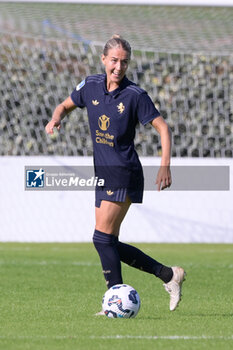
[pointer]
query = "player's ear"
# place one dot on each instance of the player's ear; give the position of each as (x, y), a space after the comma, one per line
(103, 58)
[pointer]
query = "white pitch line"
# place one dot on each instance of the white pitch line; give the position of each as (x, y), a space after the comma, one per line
(44, 262)
(119, 337)
(164, 337)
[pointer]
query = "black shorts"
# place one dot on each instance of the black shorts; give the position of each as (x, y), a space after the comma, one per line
(118, 195)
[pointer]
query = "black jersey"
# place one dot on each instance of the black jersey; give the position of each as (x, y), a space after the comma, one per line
(113, 117)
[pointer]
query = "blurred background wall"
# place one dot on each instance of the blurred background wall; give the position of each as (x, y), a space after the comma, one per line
(183, 57)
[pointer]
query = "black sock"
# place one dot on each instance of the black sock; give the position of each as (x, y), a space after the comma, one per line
(136, 258)
(106, 246)
(166, 274)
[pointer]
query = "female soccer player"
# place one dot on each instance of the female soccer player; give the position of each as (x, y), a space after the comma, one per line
(115, 105)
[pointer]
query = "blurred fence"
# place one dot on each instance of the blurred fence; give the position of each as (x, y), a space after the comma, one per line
(182, 56)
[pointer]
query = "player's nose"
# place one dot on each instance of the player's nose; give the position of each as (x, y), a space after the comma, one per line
(118, 66)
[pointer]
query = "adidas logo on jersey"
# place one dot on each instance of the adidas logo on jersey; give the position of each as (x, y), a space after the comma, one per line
(95, 102)
(109, 192)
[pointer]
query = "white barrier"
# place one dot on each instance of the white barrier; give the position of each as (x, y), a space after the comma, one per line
(166, 216)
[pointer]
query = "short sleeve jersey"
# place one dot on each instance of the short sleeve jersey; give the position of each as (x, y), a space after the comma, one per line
(113, 117)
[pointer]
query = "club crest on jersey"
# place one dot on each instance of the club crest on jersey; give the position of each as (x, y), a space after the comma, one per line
(121, 108)
(80, 85)
(95, 102)
(104, 122)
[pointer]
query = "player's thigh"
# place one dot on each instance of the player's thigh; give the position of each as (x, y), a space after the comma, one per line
(110, 215)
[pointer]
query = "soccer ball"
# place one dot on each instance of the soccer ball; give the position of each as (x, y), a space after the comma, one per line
(121, 301)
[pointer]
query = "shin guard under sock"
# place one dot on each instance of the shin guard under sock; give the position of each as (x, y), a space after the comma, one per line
(106, 246)
(136, 258)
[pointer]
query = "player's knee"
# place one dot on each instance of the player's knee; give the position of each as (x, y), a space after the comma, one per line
(104, 224)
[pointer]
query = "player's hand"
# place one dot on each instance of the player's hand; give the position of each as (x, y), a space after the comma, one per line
(164, 179)
(51, 125)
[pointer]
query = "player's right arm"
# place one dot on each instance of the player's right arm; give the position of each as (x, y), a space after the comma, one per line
(59, 113)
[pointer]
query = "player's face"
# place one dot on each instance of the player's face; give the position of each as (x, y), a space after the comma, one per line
(116, 64)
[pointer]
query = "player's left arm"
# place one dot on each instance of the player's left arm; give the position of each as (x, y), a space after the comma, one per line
(164, 178)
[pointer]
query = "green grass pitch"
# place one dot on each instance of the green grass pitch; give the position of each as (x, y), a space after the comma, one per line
(50, 292)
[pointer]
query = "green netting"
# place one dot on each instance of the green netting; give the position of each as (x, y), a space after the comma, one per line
(47, 49)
